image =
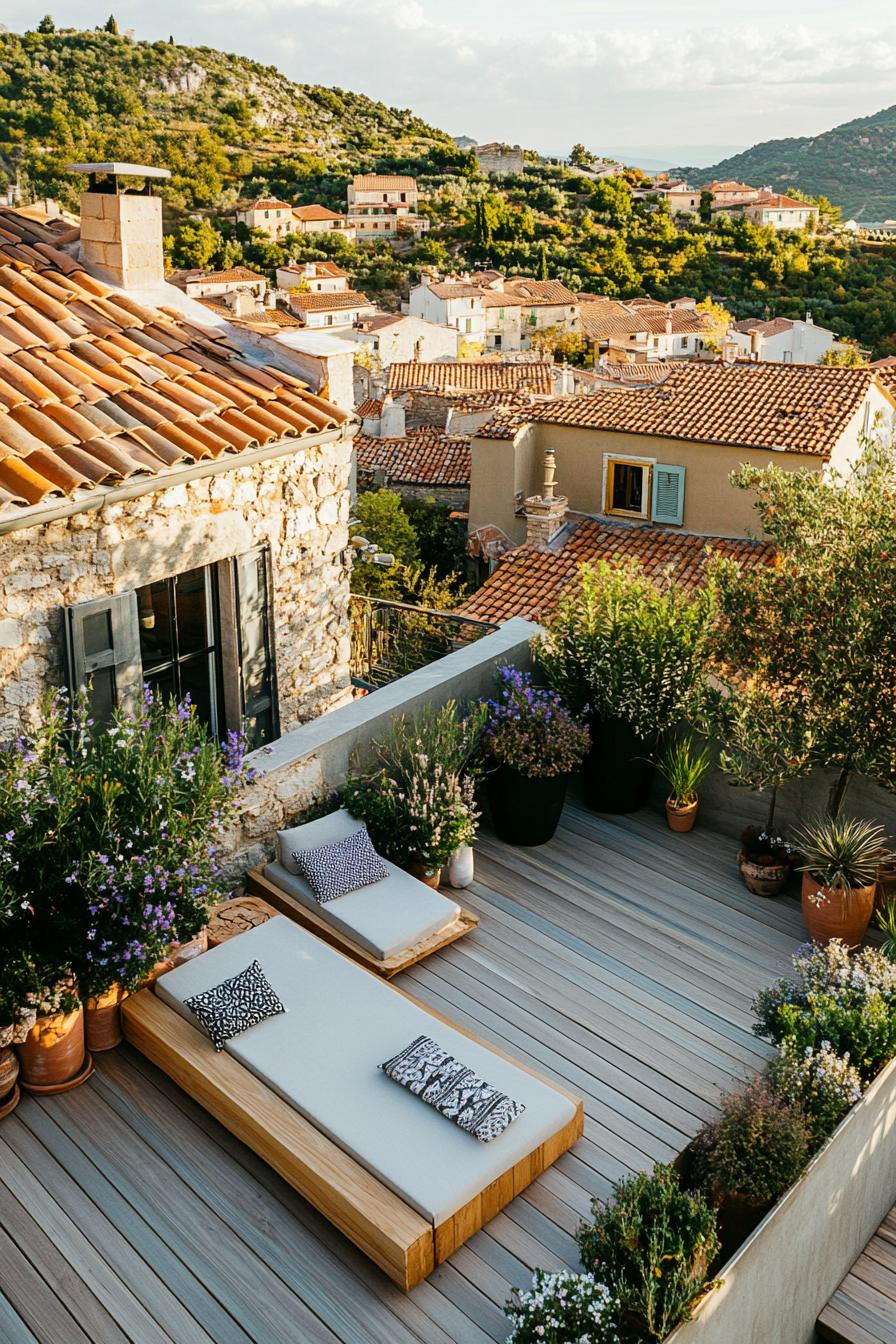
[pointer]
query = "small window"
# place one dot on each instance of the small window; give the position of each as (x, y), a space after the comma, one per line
(628, 488)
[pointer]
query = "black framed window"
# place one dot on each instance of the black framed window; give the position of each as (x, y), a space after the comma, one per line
(179, 641)
(206, 633)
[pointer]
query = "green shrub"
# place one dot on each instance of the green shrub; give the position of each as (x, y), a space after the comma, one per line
(848, 1000)
(756, 1148)
(652, 1244)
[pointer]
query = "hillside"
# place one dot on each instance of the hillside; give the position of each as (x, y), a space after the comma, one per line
(224, 124)
(854, 165)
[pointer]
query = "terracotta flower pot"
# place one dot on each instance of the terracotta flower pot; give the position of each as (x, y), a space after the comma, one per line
(681, 816)
(102, 1019)
(9, 1072)
(830, 912)
(764, 879)
(53, 1052)
(15, 1035)
(423, 873)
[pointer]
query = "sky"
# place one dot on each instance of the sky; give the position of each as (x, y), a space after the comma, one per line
(683, 81)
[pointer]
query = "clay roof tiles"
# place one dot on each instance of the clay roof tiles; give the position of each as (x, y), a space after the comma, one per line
(472, 376)
(426, 456)
(95, 387)
(530, 580)
(322, 302)
(800, 408)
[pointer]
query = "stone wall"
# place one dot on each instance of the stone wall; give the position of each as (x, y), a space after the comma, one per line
(297, 503)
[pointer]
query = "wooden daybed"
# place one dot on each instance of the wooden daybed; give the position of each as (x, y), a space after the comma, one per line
(349, 1192)
(387, 926)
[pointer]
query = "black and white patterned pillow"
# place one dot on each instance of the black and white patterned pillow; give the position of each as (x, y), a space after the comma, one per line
(235, 1005)
(428, 1071)
(343, 866)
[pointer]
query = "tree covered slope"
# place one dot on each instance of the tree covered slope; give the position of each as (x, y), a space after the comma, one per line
(854, 165)
(219, 121)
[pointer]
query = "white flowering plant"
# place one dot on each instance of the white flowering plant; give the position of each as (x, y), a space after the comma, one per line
(818, 1080)
(847, 999)
(563, 1308)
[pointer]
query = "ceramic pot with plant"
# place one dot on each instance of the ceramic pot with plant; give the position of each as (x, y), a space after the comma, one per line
(52, 1057)
(749, 1156)
(533, 744)
(765, 860)
(628, 653)
(840, 856)
(684, 769)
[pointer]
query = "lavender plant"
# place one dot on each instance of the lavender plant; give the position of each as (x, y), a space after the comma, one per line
(562, 1307)
(110, 835)
(530, 729)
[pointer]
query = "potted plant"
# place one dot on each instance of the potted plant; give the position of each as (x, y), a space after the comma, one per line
(765, 742)
(684, 769)
(52, 1057)
(847, 999)
(562, 1307)
(534, 744)
(749, 1156)
(652, 1244)
(629, 653)
(417, 798)
(841, 856)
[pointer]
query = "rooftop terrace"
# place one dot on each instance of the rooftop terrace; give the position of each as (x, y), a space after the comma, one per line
(619, 959)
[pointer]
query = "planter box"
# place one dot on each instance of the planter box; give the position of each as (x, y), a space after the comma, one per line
(777, 1283)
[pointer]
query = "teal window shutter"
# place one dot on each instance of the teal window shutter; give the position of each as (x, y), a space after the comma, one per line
(668, 494)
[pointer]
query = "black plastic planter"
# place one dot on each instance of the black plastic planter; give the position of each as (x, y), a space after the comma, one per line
(616, 773)
(525, 808)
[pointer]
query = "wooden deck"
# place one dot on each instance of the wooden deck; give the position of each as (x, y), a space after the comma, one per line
(620, 959)
(863, 1309)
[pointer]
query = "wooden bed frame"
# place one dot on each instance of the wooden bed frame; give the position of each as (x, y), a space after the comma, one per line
(259, 885)
(405, 1245)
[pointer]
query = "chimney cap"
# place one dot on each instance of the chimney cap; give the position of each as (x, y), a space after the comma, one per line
(118, 169)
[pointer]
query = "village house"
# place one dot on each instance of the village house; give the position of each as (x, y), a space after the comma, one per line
(425, 463)
(642, 331)
(273, 217)
(497, 159)
(789, 340)
(318, 219)
(330, 310)
(173, 509)
(216, 284)
(448, 303)
(781, 212)
(730, 193)
(313, 277)
(391, 337)
(659, 447)
(383, 206)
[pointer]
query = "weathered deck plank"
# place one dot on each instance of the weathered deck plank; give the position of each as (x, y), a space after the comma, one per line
(620, 959)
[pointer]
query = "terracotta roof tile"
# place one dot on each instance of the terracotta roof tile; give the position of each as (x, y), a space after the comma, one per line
(321, 303)
(473, 376)
(530, 580)
(426, 456)
(315, 213)
(802, 408)
(371, 406)
(381, 182)
(539, 291)
(95, 387)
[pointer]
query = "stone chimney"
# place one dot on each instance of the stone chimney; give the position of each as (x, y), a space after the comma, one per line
(392, 419)
(121, 230)
(242, 303)
(545, 513)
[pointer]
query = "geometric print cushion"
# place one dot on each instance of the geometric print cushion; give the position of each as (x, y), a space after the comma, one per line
(235, 1005)
(334, 870)
(439, 1079)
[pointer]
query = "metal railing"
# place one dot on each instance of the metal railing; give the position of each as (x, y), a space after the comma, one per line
(391, 639)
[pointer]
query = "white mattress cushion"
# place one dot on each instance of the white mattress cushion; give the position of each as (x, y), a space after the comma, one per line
(323, 1057)
(385, 917)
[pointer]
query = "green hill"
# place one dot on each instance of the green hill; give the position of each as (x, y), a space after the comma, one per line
(854, 165)
(224, 124)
